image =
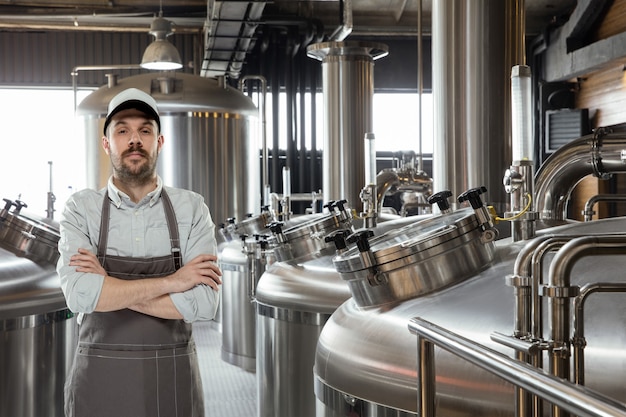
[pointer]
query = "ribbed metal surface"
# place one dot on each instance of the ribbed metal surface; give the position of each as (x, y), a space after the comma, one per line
(48, 58)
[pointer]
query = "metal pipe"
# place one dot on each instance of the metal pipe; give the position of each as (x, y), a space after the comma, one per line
(560, 291)
(588, 210)
(426, 377)
(264, 149)
(579, 323)
(75, 71)
(471, 101)
(420, 85)
(526, 279)
(573, 398)
(345, 29)
(599, 154)
(348, 75)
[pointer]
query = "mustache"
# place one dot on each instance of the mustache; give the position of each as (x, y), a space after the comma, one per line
(135, 150)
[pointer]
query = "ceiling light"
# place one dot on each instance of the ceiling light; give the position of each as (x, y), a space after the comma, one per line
(161, 54)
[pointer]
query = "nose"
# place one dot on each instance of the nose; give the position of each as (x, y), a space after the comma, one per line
(135, 138)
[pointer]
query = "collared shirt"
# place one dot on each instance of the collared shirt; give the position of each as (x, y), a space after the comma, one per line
(136, 230)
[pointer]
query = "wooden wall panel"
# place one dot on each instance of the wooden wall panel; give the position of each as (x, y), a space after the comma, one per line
(614, 22)
(604, 94)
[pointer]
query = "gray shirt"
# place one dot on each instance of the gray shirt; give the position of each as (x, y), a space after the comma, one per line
(136, 230)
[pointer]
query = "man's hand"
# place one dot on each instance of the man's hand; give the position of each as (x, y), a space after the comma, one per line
(200, 270)
(85, 261)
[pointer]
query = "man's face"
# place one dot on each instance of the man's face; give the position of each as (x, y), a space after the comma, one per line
(133, 144)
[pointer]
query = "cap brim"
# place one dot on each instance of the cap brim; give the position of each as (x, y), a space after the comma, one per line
(134, 104)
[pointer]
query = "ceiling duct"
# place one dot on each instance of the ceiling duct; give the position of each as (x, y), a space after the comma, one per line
(229, 36)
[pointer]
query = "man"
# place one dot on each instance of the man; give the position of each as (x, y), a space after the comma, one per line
(138, 263)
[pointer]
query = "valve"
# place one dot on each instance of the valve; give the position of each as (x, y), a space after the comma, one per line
(441, 199)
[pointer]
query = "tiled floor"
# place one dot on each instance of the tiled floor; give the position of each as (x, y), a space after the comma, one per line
(229, 391)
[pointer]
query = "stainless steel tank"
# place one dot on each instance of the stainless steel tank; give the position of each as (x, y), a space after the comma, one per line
(444, 271)
(295, 297)
(211, 139)
(242, 260)
(37, 331)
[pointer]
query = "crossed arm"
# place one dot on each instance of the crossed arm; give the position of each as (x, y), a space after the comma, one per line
(151, 295)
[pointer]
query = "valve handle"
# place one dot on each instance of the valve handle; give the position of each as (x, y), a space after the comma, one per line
(330, 205)
(19, 205)
(276, 227)
(441, 199)
(231, 220)
(473, 196)
(361, 237)
(8, 204)
(338, 237)
(340, 204)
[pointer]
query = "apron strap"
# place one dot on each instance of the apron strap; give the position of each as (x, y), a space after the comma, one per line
(104, 228)
(170, 217)
(172, 225)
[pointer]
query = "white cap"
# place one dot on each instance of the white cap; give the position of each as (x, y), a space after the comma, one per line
(133, 98)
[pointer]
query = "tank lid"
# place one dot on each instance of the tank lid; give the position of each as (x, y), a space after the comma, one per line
(410, 240)
(308, 238)
(174, 93)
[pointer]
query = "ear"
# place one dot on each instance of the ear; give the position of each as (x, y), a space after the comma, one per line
(106, 145)
(160, 140)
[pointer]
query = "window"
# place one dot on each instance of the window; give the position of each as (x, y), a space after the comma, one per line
(38, 127)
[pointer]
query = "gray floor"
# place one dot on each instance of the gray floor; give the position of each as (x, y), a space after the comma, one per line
(229, 391)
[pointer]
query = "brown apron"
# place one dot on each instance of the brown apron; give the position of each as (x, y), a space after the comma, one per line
(129, 364)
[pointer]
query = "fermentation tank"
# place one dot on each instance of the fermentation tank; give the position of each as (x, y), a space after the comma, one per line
(211, 135)
(37, 331)
(243, 259)
(447, 271)
(294, 298)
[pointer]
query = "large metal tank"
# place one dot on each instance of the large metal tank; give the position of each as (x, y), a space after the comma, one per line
(243, 260)
(366, 362)
(294, 298)
(37, 331)
(211, 139)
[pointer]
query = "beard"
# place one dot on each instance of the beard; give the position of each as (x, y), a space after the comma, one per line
(138, 172)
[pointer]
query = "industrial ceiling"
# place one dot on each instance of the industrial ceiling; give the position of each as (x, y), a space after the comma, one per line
(229, 28)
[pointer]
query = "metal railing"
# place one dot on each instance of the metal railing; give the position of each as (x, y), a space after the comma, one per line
(575, 399)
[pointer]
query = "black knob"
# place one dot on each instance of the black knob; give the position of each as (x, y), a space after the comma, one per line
(265, 208)
(338, 237)
(330, 205)
(473, 196)
(243, 237)
(8, 204)
(19, 204)
(441, 199)
(231, 220)
(276, 227)
(341, 204)
(248, 215)
(361, 237)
